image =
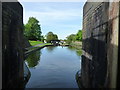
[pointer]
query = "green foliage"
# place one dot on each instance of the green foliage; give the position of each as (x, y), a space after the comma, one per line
(76, 49)
(32, 29)
(71, 38)
(33, 59)
(74, 37)
(50, 36)
(42, 38)
(79, 35)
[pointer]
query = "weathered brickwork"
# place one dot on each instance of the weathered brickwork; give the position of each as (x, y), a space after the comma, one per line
(0, 44)
(12, 48)
(100, 44)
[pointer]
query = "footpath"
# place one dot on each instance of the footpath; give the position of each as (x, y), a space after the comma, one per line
(36, 47)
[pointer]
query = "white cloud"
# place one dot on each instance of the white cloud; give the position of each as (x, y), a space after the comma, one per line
(62, 21)
(53, 15)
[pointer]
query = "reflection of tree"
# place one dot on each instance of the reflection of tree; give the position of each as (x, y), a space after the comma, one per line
(51, 48)
(72, 48)
(78, 50)
(33, 59)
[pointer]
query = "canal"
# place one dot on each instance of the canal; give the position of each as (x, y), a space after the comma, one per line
(54, 67)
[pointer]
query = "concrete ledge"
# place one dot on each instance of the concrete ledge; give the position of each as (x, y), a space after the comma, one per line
(35, 49)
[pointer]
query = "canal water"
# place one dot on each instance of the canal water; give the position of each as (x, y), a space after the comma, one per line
(54, 67)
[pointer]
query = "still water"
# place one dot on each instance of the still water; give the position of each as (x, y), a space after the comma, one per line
(54, 67)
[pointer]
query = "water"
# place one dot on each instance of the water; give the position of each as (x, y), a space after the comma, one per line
(54, 67)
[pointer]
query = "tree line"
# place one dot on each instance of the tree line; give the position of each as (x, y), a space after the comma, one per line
(74, 37)
(32, 30)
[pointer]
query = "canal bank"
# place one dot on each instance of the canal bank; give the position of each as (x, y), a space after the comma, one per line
(36, 47)
(76, 44)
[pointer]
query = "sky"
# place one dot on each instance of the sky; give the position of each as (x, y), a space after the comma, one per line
(62, 18)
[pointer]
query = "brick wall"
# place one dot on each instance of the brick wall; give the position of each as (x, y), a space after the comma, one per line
(100, 44)
(0, 44)
(12, 48)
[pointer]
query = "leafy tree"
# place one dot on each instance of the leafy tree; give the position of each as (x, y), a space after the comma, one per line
(79, 35)
(50, 36)
(55, 37)
(32, 29)
(42, 38)
(71, 38)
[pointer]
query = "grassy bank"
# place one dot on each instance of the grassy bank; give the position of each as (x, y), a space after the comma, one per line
(33, 43)
(36, 46)
(76, 44)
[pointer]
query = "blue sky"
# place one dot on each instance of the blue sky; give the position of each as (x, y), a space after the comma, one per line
(62, 18)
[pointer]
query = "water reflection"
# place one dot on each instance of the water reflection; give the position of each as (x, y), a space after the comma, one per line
(33, 59)
(77, 50)
(50, 48)
(57, 68)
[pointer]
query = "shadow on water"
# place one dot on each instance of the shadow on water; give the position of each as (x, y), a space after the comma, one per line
(33, 59)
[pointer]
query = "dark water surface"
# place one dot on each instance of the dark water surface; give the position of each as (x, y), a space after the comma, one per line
(54, 67)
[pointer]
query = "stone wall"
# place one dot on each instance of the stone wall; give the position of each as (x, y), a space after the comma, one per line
(100, 44)
(12, 48)
(112, 43)
(0, 45)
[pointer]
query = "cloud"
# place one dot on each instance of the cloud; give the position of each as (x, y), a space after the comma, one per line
(53, 15)
(56, 17)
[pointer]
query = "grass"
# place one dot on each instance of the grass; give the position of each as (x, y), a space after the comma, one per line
(77, 45)
(36, 47)
(33, 43)
(45, 44)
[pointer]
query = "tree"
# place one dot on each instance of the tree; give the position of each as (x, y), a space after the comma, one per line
(51, 36)
(79, 35)
(32, 29)
(55, 37)
(71, 38)
(42, 38)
